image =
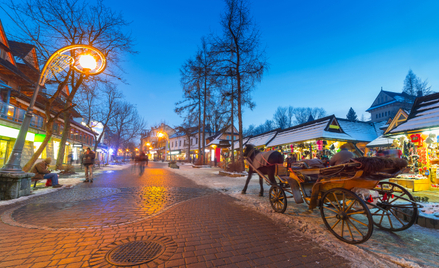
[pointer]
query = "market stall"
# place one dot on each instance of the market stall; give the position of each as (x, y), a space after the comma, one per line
(323, 137)
(416, 140)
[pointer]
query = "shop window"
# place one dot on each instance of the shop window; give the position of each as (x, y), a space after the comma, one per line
(43, 154)
(179, 143)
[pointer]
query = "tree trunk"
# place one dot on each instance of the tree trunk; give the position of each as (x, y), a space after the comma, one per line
(34, 158)
(62, 144)
(204, 118)
(199, 124)
(233, 136)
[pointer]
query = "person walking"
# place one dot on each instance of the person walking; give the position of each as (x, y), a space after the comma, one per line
(41, 172)
(143, 159)
(88, 162)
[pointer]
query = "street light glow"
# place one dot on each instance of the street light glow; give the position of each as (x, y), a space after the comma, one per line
(88, 62)
(160, 134)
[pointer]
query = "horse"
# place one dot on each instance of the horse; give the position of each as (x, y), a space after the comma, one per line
(265, 163)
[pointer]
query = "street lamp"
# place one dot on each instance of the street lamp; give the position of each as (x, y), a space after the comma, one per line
(58, 61)
(162, 134)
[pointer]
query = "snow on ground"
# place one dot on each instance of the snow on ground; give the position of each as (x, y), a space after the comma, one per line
(67, 182)
(415, 247)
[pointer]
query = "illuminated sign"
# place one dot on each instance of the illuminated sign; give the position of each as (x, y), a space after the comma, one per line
(13, 133)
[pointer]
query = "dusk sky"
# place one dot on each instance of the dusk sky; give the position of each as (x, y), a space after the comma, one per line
(330, 54)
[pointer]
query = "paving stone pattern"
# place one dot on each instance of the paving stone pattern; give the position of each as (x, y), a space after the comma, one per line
(208, 228)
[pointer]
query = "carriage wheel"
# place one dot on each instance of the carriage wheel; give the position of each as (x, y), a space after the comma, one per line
(346, 216)
(394, 211)
(278, 199)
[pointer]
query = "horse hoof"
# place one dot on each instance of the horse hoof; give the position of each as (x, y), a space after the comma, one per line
(261, 194)
(242, 192)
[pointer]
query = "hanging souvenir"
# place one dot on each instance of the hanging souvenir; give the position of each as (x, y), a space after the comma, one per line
(416, 139)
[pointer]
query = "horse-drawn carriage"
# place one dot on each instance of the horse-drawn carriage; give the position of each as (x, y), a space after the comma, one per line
(352, 197)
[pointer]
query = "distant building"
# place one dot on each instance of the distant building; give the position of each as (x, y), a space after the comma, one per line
(387, 104)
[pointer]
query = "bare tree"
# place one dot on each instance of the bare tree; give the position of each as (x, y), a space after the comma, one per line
(189, 131)
(126, 124)
(191, 106)
(302, 114)
(98, 104)
(52, 24)
(290, 115)
(414, 87)
(239, 49)
(280, 117)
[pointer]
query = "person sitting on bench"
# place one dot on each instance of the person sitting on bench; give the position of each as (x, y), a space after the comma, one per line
(41, 172)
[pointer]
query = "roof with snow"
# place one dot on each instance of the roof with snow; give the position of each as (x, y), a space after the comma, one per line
(244, 142)
(323, 128)
(358, 130)
(395, 97)
(262, 139)
(424, 115)
(381, 141)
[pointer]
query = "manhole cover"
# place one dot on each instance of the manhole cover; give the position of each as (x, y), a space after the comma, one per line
(135, 253)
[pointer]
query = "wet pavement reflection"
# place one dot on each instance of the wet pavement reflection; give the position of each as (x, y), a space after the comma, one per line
(105, 203)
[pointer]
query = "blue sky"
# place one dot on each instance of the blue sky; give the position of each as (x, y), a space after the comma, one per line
(330, 54)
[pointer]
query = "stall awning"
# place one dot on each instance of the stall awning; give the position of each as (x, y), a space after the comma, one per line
(381, 141)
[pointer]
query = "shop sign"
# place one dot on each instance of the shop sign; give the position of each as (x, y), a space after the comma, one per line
(77, 145)
(13, 133)
(175, 152)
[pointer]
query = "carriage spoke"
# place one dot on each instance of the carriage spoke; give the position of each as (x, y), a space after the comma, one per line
(350, 232)
(330, 209)
(338, 202)
(355, 227)
(358, 221)
(397, 197)
(329, 217)
(335, 224)
(396, 217)
(390, 221)
(408, 215)
(351, 205)
(336, 207)
(382, 216)
(356, 212)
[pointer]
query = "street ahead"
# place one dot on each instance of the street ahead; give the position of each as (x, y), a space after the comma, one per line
(189, 225)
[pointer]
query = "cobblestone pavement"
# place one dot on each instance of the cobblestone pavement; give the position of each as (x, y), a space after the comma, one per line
(190, 226)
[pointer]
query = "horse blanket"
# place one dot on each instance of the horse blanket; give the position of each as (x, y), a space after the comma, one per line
(261, 159)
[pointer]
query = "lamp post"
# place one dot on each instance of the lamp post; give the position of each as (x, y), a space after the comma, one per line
(57, 62)
(164, 134)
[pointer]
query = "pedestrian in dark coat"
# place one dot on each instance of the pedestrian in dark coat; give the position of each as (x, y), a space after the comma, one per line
(88, 161)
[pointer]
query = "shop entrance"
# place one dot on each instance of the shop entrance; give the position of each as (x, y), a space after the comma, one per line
(3, 152)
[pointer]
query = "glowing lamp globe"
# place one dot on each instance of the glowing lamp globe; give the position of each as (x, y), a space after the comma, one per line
(88, 62)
